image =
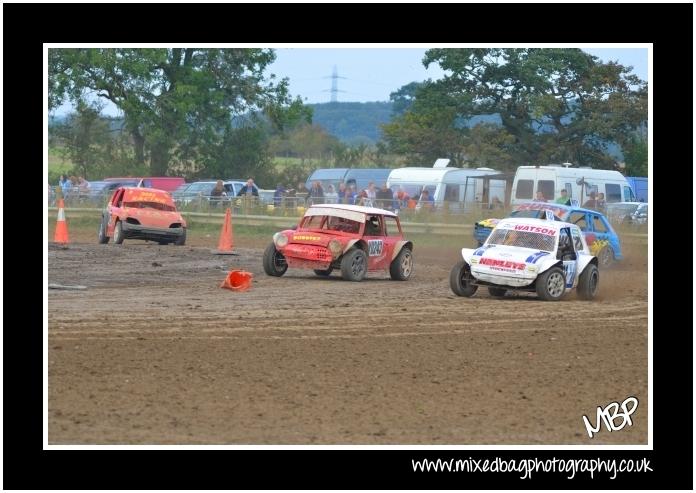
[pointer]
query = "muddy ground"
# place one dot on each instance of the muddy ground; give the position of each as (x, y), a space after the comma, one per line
(154, 352)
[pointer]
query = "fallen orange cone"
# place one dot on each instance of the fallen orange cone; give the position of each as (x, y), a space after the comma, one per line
(225, 242)
(237, 280)
(61, 234)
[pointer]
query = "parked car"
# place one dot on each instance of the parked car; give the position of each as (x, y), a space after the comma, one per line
(166, 183)
(598, 232)
(628, 212)
(200, 192)
(352, 238)
(539, 255)
(143, 214)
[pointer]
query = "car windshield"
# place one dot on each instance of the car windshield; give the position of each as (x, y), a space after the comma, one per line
(331, 223)
(150, 205)
(523, 239)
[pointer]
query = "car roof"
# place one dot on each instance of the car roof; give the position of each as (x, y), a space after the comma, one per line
(552, 205)
(357, 208)
(535, 222)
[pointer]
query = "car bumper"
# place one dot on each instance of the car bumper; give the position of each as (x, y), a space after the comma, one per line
(139, 232)
(502, 279)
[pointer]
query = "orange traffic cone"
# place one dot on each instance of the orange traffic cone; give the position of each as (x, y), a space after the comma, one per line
(61, 235)
(225, 242)
(237, 280)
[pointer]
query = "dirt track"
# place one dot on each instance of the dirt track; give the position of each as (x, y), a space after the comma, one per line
(159, 354)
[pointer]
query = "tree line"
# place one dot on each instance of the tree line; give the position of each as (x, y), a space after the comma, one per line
(218, 113)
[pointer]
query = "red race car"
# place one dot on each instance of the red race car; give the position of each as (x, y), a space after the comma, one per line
(142, 214)
(352, 238)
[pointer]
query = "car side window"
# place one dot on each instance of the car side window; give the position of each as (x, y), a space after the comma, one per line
(392, 229)
(373, 226)
(565, 245)
(598, 224)
(578, 218)
(577, 241)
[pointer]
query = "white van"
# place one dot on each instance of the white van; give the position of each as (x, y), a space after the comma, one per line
(456, 186)
(579, 182)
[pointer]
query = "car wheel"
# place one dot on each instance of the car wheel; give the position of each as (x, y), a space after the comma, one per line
(588, 282)
(497, 292)
(274, 263)
(323, 273)
(606, 257)
(118, 233)
(402, 266)
(354, 265)
(550, 285)
(103, 239)
(181, 240)
(461, 280)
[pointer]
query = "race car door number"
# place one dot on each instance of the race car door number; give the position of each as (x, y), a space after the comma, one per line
(374, 247)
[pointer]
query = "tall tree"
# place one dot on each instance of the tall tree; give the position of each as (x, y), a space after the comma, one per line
(179, 100)
(557, 104)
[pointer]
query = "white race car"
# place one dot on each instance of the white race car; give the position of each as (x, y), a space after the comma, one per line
(538, 255)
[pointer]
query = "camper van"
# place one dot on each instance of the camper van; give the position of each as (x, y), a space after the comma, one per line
(457, 187)
(360, 177)
(579, 182)
(327, 176)
(640, 187)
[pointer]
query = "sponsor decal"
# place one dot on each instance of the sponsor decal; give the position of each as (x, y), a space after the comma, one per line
(306, 238)
(535, 229)
(569, 267)
(374, 247)
(135, 196)
(503, 264)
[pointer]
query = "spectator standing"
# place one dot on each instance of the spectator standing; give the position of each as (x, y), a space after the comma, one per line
(563, 199)
(540, 197)
(385, 198)
(591, 202)
(279, 194)
(316, 194)
(342, 193)
(249, 189)
(601, 203)
(330, 197)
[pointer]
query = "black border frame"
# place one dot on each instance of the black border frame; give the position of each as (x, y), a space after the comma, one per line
(27, 26)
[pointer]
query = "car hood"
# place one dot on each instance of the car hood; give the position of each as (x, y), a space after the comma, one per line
(313, 238)
(501, 258)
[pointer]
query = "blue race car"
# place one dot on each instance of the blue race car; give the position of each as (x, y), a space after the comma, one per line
(603, 241)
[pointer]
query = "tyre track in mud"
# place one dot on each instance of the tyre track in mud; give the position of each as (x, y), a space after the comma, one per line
(159, 354)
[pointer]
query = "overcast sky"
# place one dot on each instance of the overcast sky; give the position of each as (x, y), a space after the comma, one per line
(371, 74)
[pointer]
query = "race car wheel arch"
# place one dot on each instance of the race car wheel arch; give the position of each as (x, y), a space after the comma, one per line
(274, 263)
(461, 280)
(118, 233)
(354, 265)
(550, 285)
(588, 282)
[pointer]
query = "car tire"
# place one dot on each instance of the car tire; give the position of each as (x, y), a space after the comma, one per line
(274, 263)
(497, 292)
(354, 265)
(181, 240)
(605, 257)
(402, 266)
(323, 273)
(118, 233)
(103, 239)
(551, 284)
(460, 280)
(588, 282)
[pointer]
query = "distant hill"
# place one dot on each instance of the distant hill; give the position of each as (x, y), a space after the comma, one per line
(353, 123)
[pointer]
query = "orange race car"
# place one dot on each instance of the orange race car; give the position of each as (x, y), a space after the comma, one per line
(142, 214)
